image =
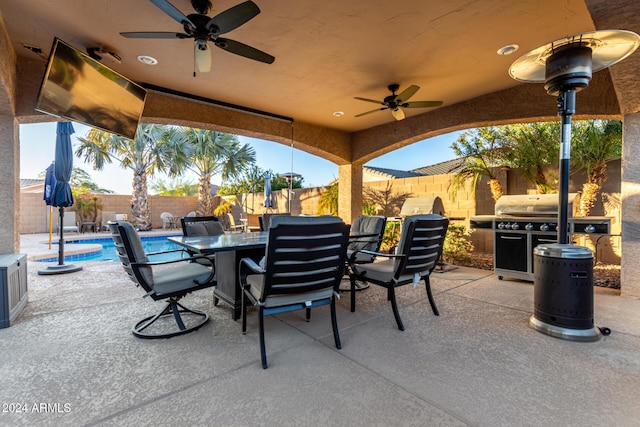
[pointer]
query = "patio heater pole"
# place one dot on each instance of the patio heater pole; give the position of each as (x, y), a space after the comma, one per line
(567, 107)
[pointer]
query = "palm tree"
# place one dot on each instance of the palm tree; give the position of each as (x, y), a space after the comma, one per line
(329, 200)
(593, 144)
(175, 187)
(533, 147)
(207, 154)
(482, 149)
(148, 153)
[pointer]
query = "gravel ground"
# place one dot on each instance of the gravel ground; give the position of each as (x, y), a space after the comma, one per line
(604, 275)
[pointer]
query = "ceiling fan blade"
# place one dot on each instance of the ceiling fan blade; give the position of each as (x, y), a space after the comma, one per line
(203, 57)
(154, 35)
(172, 11)
(368, 100)
(244, 50)
(232, 18)
(407, 93)
(398, 114)
(369, 112)
(422, 104)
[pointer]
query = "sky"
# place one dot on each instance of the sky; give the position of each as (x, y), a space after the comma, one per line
(37, 146)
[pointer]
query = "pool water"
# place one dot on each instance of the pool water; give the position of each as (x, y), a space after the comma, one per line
(109, 252)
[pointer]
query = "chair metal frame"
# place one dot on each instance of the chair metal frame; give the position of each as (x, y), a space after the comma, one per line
(418, 253)
(371, 243)
(300, 259)
(138, 272)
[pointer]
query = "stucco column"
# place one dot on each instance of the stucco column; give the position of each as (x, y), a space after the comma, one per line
(349, 191)
(630, 192)
(9, 185)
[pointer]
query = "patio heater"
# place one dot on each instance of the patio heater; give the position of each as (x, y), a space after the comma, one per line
(290, 177)
(563, 281)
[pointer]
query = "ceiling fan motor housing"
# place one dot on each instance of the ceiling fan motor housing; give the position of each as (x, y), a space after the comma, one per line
(568, 68)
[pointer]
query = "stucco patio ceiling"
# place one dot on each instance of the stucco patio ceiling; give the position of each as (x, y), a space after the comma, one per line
(327, 52)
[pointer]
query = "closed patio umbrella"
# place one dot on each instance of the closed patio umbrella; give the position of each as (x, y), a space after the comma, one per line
(267, 191)
(49, 185)
(61, 196)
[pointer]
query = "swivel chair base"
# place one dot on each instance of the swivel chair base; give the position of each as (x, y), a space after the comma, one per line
(178, 311)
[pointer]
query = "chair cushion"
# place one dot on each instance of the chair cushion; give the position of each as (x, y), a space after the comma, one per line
(278, 300)
(180, 278)
(204, 228)
(214, 228)
(195, 229)
(381, 271)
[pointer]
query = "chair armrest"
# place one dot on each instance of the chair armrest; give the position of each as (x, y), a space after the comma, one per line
(353, 256)
(167, 252)
(247, 265)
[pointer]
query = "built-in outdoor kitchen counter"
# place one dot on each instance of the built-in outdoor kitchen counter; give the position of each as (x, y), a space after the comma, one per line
(522, 222)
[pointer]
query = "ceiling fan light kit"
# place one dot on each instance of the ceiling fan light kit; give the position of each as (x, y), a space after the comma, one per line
(202, 55)
(202, 29)
(396, 103)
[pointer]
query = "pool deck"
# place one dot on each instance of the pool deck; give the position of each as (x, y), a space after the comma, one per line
(36, 246)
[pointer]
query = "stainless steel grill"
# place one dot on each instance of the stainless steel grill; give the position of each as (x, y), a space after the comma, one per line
(522, 222)
(422, 205)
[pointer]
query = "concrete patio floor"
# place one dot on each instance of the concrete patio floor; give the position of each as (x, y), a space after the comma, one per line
(478, 363)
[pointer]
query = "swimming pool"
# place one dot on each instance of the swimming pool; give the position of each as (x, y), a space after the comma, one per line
(109, 253)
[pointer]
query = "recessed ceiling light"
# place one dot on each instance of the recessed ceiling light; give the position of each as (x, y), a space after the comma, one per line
(147, 60)
(508, 49)
(338, 113)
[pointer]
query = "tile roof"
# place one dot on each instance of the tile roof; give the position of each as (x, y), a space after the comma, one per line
(442, 168)
(391, 173)
(28, 182)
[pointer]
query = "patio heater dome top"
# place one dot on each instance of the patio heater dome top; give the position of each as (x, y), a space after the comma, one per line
(289, 176)
(574, 56)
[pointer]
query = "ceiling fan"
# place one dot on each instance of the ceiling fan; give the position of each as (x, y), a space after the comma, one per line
(395, 103)
(202, 29)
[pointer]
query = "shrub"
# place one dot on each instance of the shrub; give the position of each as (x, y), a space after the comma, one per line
(457, 244)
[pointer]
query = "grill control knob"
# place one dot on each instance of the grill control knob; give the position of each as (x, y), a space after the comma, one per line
(515, 226)
(501, 226)
(528, 227)
(589, 229)
(544, 227)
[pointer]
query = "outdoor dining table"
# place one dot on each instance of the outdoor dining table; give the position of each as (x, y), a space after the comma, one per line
(229, 249)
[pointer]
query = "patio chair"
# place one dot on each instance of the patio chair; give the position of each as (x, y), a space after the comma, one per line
(69, 222)
(106, 218)
(170, 284)
(232, 224)
(264, 220)
(168, 220)
(202, 226)
(303, 265)
(418, 252)
(371, 231)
